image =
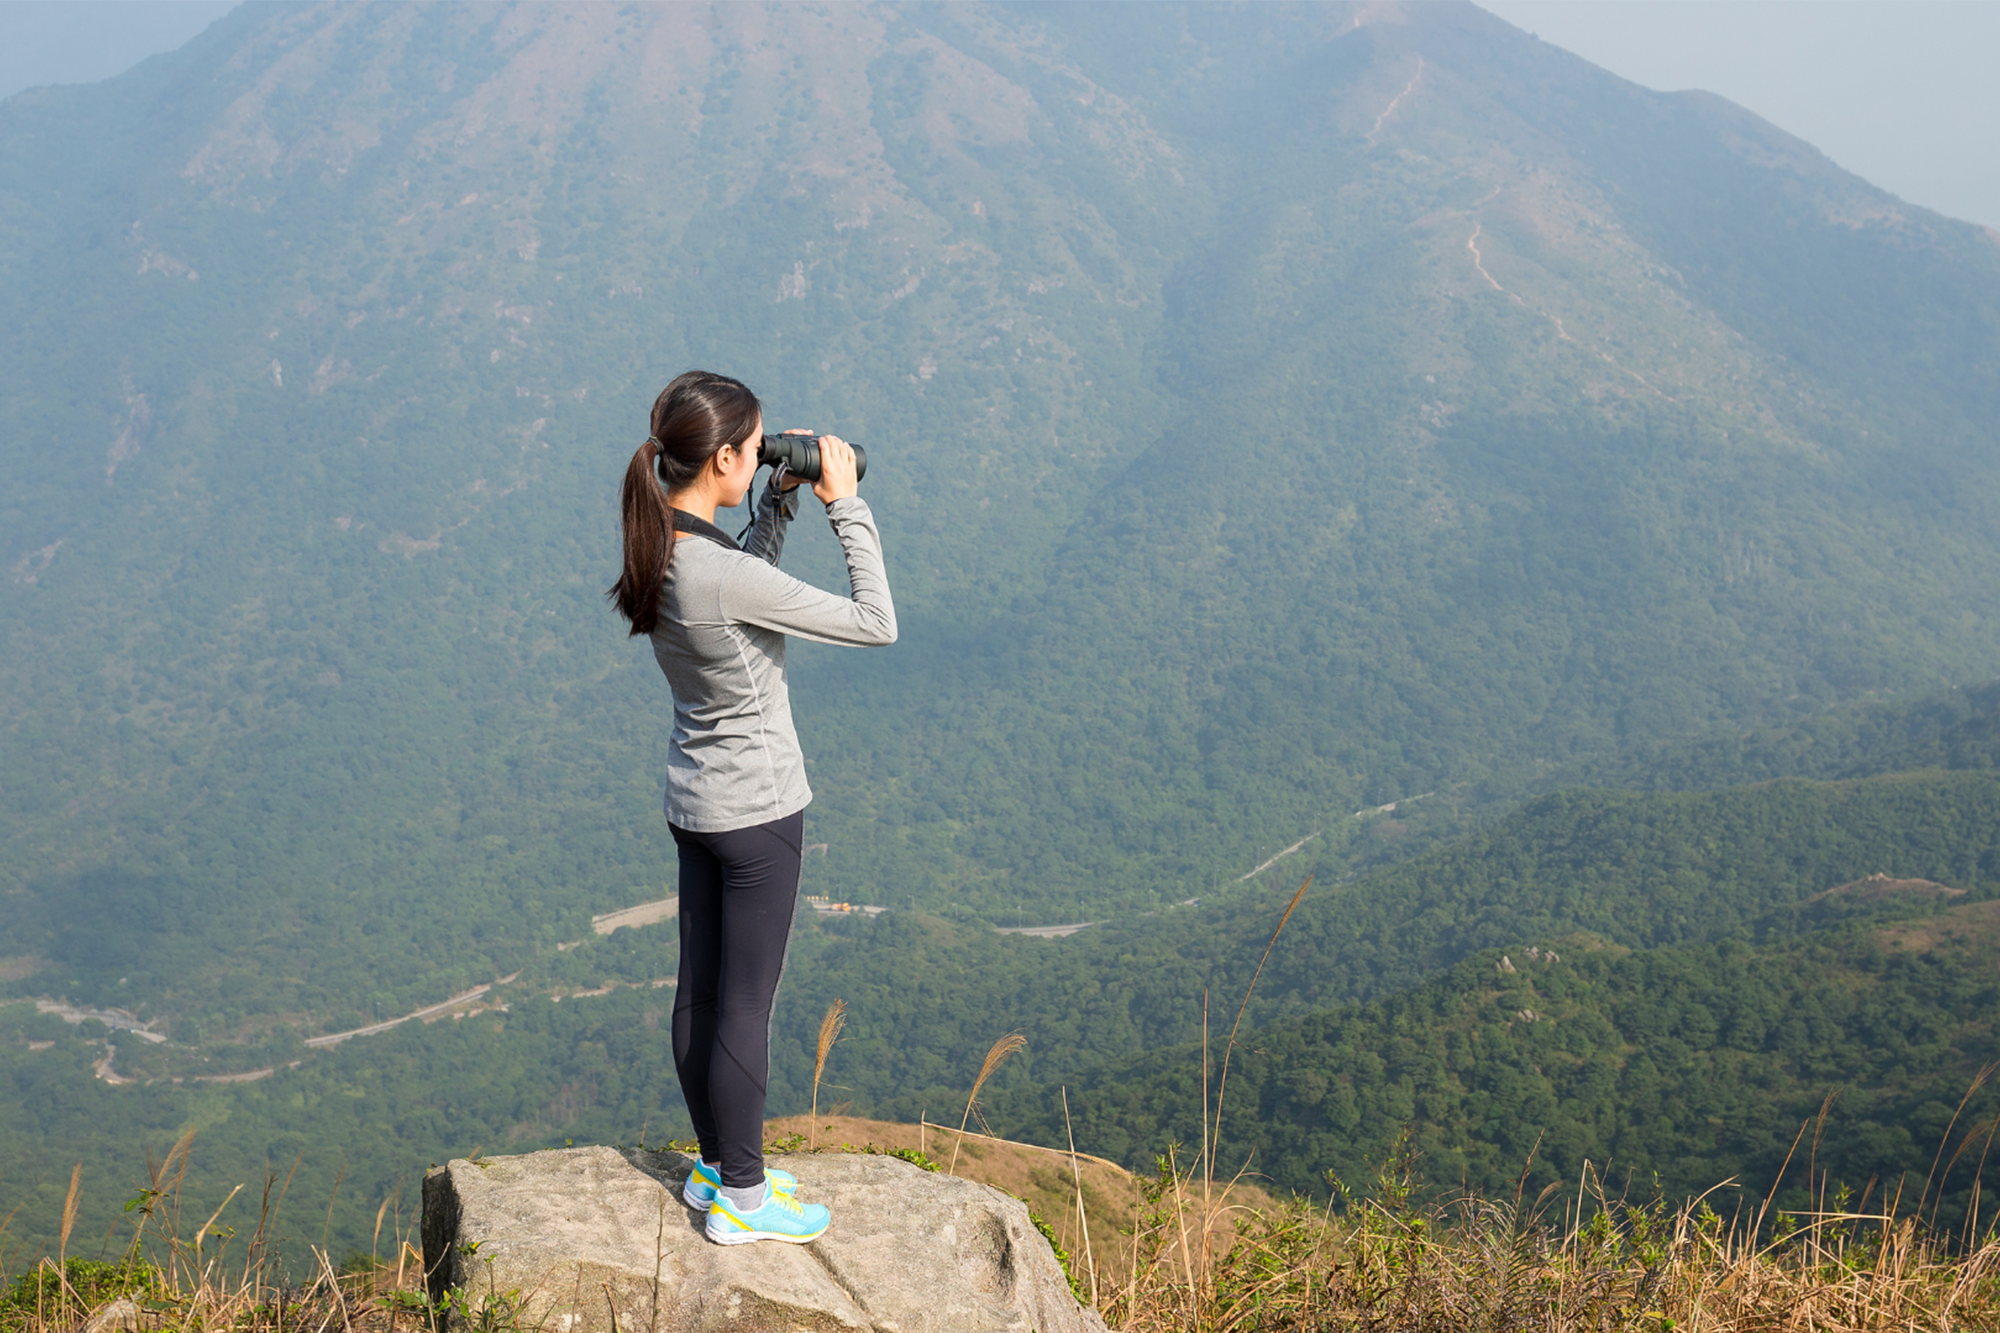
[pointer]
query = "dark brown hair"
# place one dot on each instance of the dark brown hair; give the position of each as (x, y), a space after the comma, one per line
(692, 419)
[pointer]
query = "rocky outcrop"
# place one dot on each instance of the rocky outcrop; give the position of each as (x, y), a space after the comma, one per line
(596, 1240)
(123, 1315)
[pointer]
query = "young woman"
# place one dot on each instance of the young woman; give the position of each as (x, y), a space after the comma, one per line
(718, 614)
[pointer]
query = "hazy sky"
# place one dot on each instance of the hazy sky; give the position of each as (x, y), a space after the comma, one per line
(84, 41)
(1902, 92)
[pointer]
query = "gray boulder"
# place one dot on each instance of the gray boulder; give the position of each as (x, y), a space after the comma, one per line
(121, 1314)
(596, 1240)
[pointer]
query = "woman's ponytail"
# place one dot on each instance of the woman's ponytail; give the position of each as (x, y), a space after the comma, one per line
(693, 418)
(649, 541)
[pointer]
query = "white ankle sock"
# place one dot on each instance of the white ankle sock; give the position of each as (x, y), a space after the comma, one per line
(745, 1200)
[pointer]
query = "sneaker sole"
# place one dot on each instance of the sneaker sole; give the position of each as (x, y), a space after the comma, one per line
(746, 1237)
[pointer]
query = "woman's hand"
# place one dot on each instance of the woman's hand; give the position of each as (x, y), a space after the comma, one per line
(836, 470)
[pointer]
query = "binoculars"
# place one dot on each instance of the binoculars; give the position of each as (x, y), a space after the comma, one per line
(800, 455)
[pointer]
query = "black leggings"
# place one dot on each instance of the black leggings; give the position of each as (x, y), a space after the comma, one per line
(738, 892)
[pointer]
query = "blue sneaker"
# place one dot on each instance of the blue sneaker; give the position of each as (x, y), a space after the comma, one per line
(781, 1218)
(699, 1192)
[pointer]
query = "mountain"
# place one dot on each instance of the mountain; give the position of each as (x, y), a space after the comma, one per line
(1278, 410)
(1275, 411)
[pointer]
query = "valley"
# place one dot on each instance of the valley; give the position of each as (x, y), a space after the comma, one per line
(1702, 968)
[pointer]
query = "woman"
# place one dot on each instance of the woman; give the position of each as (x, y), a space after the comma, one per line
(718, 614)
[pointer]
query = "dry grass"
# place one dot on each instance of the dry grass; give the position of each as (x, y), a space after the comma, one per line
(1048, 1180)
(214, 1277)
(1967, 928)
(1183, 1254)
(1573, 1261)
(829, 1033)
(995, 1057)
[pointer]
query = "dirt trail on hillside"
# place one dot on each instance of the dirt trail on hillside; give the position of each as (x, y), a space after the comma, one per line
(1395, 102)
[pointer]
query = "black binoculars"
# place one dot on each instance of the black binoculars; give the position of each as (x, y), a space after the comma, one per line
(800, 455)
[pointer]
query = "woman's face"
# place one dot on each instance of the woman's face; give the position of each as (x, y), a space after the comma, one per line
(736, 465)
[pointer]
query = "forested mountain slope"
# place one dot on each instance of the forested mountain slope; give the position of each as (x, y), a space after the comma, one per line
(1958, 729)
(1748, 864)
(1675, 1069)
(1273, 410)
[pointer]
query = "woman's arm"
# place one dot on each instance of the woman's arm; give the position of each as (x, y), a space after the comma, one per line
(756, 593)
(775, 508)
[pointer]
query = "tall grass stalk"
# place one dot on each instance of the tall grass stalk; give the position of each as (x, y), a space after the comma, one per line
(1978, 1173)
(6, 1225)
(1978, 1080)
(1207, 1168)
(1216, 1211)
(374, 1241)
(69, 1213)
(338, 1176)
(209, 1225)
(1229, 1049)
(995, 1057)
(1082, 1213)
(829, 1033)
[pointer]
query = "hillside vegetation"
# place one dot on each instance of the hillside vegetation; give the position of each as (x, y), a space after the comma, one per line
(1706, 972)
(1677, 1069)
(1639, 872)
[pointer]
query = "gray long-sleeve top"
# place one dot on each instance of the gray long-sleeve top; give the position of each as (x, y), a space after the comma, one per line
(724, 614)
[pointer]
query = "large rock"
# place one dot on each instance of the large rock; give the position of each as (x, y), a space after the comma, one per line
(596, 1240)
